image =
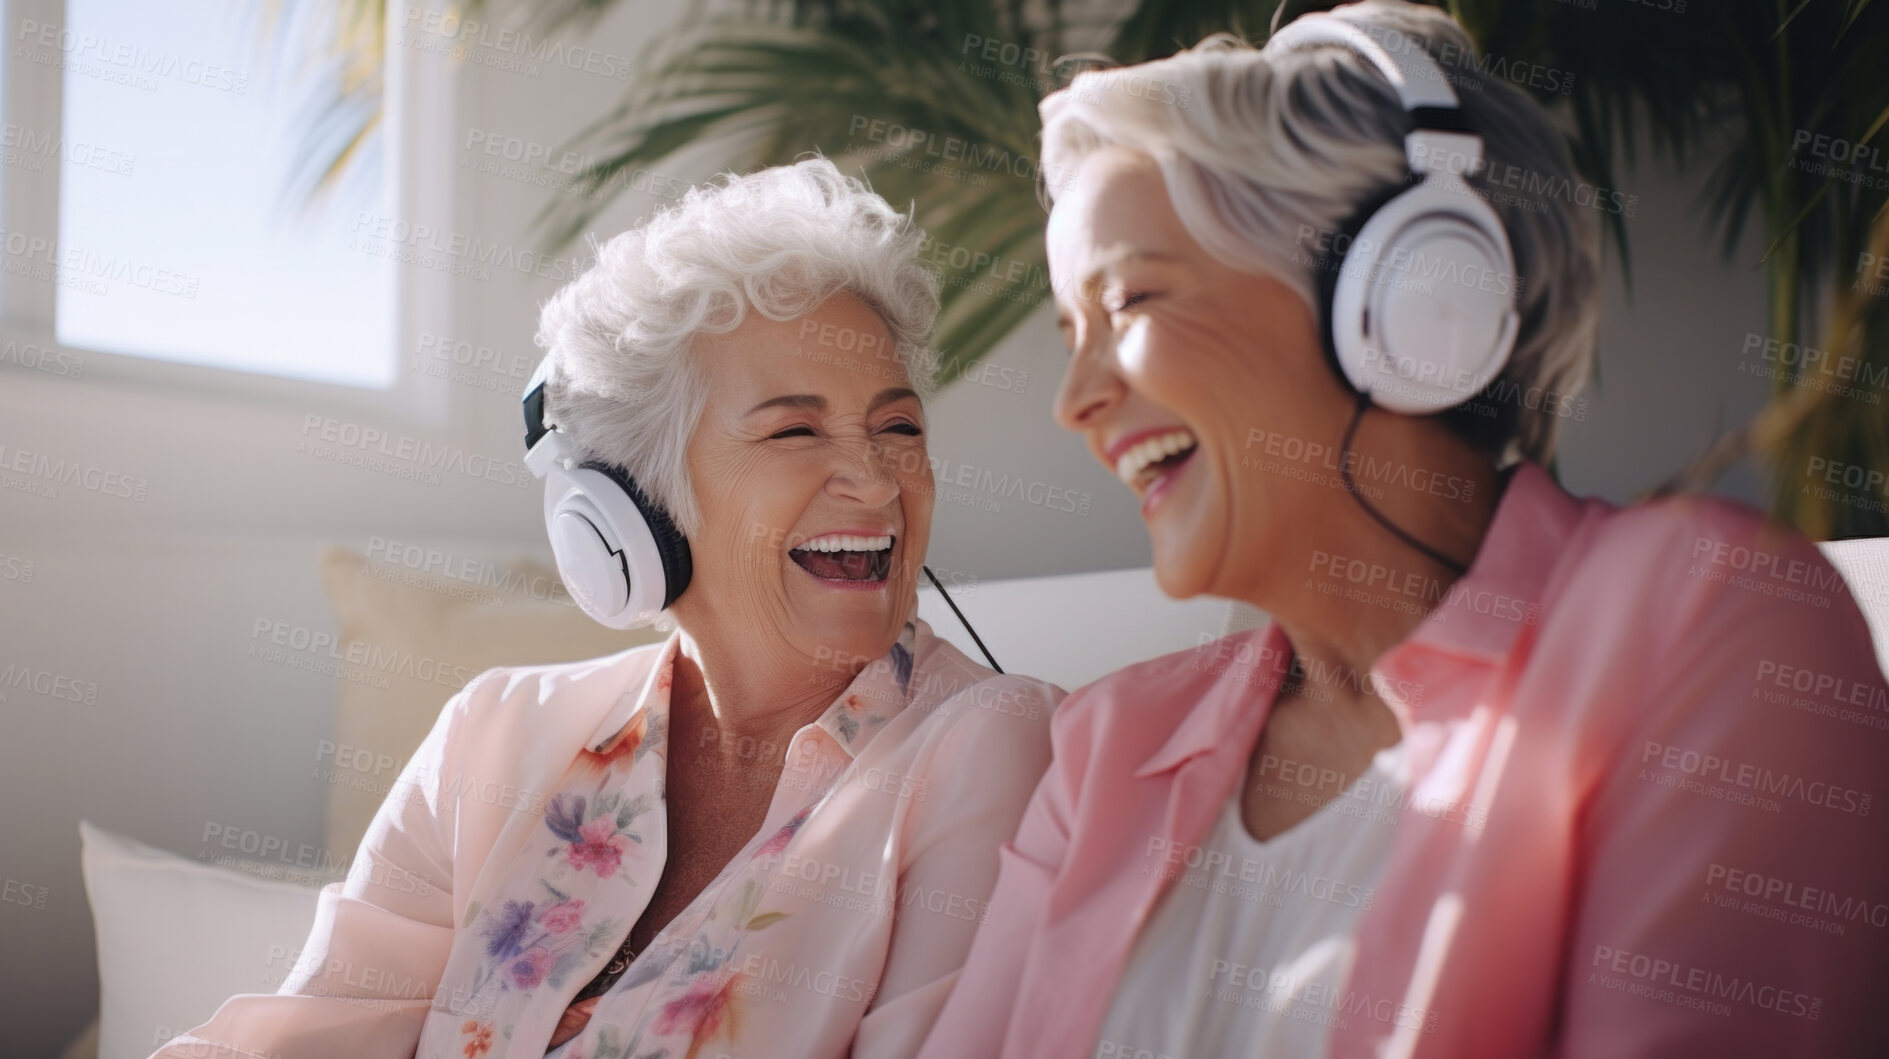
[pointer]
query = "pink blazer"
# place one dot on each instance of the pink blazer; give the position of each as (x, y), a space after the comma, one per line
(1644, 745)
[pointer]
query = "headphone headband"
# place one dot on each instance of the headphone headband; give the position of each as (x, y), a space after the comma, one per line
(1418, 297)
(1438, 129)
(1419, 81)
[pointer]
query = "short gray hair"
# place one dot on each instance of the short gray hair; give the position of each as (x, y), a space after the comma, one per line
(1258, 147)
(780, 240)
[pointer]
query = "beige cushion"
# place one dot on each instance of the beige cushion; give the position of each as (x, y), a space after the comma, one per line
(413, 639)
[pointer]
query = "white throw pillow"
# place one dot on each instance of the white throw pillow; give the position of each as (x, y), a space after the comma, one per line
(177, 937)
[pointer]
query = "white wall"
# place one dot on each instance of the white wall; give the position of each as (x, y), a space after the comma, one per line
(155, 600)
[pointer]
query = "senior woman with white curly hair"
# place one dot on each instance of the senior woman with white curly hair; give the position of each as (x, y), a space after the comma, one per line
(1510, 772)
(774, 833)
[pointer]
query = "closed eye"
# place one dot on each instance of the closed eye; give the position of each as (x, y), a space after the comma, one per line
(903, 427)
(793, 432)
(1129, 300)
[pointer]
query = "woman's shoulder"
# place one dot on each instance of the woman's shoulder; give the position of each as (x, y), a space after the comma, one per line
(1661, 560)
(1139, 706)
(517, 709)
(955, 690)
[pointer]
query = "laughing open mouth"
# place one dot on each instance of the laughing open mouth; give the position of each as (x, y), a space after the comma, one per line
(845, 557)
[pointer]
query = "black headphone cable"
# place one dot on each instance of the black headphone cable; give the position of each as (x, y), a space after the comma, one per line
(1351, 486)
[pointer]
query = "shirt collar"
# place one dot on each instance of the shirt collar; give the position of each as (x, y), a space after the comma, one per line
(877, 694)
(651, 695)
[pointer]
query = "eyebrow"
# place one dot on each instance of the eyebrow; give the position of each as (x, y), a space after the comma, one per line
(815, 402)
(1122, 252)
(1109, 258)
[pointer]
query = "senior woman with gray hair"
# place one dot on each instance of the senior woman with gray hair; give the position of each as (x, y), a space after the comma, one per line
(771, 835)
(1509, 772)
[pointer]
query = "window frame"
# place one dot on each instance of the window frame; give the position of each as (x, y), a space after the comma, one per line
(420, 107)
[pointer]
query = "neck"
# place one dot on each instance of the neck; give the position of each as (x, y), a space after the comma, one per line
(1367, 589)
(729, 698)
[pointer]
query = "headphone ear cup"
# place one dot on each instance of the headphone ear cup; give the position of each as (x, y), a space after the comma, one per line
(1333, 263)
(610, 552)
(678, 563)
(1422, 311)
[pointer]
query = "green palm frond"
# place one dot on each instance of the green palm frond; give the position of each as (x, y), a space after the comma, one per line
(768, 80)
(898, 100)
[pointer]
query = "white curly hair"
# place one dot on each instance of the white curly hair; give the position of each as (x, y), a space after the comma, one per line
(781, 241)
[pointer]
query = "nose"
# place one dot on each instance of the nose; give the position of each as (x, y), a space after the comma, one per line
(862, 476)
(1090, 384)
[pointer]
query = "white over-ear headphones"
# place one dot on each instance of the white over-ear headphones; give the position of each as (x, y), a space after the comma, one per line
(618, 552)
(1419, 303)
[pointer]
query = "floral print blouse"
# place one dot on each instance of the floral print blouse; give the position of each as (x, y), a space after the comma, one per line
(527, 833)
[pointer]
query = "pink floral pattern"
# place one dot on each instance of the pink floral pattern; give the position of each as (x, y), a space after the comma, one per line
(606, 827)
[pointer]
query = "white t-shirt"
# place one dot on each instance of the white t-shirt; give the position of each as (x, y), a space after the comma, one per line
(1250, 948)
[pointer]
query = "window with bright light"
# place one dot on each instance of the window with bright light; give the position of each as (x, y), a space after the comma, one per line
(179, 238)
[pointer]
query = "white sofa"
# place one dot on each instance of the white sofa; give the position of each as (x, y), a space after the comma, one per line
(1067, 629)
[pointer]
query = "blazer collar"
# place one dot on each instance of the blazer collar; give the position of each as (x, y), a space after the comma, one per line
(1236, 678)
(1232, 679)
(877, 693)
(1482, 614)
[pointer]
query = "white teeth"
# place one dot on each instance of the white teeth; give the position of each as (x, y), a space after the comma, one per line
(1131, 463)
(846, 542)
